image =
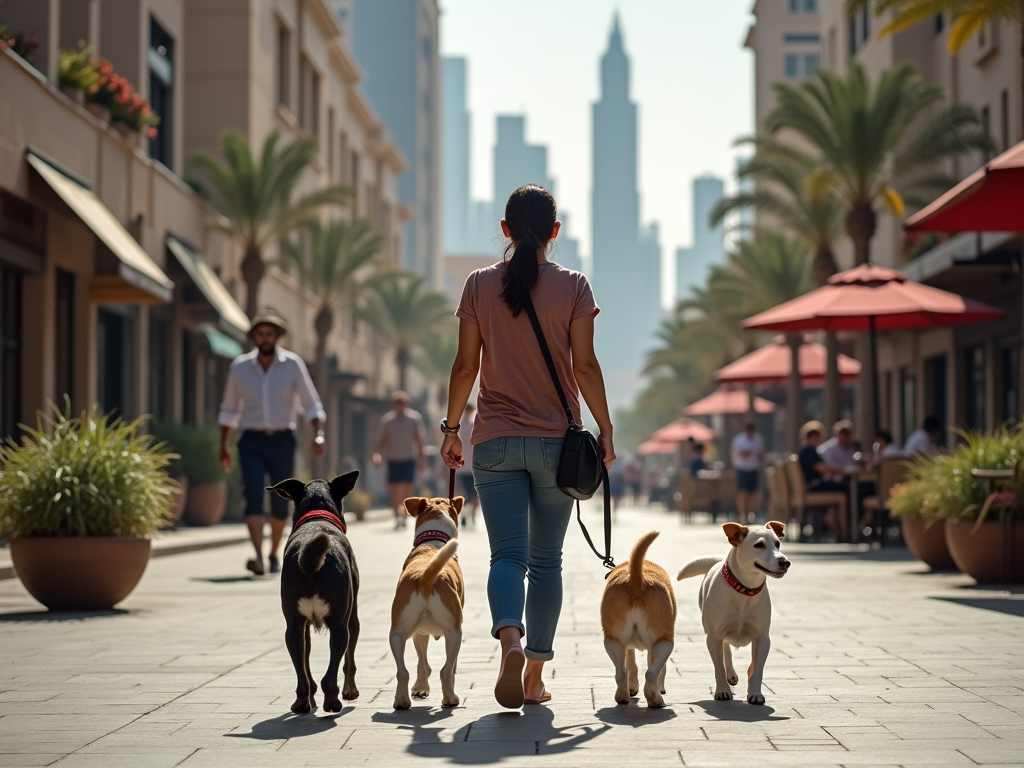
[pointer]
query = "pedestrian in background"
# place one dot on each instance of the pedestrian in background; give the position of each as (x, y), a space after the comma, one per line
(922, 442)
(747, 451)
(400, 445)
(520, 428)
(263, 393)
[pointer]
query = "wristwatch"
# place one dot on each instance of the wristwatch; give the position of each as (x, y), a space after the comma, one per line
(449, 430)
(319, 439)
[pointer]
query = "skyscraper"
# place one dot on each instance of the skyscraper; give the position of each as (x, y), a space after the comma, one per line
(396, 41)
(708, 249)
(455, 157)
(567, 248)
(621, 263)
(516, 162)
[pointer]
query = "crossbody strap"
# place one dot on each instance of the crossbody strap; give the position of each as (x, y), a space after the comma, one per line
(549, 360)
(606, 558)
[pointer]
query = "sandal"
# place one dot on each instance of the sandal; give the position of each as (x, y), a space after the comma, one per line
(508, 691)
(543, 699)
(256, 566)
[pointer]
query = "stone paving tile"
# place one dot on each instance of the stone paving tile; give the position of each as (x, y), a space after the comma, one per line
(877, 670)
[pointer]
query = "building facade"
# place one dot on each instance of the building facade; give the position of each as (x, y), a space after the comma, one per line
(456, 142)
(968, 376)
(118, 288)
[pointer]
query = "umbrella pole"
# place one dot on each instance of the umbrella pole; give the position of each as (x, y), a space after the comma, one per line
(833, 392)
(873, 413)
(794, 395)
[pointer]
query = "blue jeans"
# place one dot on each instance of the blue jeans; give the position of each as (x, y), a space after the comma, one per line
(261, 456)
(526, 517)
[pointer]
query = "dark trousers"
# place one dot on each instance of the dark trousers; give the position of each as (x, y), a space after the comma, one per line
(264, 456)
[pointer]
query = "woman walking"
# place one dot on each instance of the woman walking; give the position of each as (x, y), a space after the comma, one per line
(519, 429)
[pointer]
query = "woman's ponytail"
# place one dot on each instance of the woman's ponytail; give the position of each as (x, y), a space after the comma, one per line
(530, 215)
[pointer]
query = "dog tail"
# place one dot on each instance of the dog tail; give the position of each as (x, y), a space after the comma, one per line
(444, 554)
(698, 567)
(313, 553)
(636, 558)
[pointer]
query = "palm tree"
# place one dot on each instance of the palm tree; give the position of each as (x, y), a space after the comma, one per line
(407, 314)
(255, 196)
(860, 131)
(816, 219)
(333, 268)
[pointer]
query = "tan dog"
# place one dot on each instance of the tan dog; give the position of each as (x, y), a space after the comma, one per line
(638, 611)
(429, 598)
(734, 603)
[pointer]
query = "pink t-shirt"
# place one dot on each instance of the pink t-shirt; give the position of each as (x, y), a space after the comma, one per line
(517, 397)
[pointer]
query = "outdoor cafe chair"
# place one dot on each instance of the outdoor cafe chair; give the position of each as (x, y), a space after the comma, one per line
(891, 472)
(810, 506)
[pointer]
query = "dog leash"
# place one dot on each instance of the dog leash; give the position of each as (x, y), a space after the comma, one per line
(451, 485)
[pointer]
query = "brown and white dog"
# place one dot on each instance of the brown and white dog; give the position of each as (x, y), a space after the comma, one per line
(638, 611)
(429, 598)
(734, 603)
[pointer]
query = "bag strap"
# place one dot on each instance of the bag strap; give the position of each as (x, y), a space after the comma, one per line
(606, 558)
(549, 360)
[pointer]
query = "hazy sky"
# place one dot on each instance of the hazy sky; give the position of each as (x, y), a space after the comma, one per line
(691, 78)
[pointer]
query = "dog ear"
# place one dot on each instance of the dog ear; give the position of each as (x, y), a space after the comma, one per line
(415, 506)
(290, 489)
(342, 486)
(777, 528)
(735, 533)
(458, 503)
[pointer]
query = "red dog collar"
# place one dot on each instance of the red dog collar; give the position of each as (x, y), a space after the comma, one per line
(426, 536)
(735, 584)
(321, 514)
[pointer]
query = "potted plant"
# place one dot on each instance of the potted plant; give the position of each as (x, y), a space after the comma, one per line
(76, 73)
(924, 526)
(207, 482)
(80, 499)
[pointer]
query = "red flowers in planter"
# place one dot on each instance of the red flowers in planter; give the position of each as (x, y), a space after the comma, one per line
(125, 104)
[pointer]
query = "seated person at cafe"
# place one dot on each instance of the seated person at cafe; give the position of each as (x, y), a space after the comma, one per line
(922, 441)
(884, 448)
(820, 475)
(696, 462)
(839, 451)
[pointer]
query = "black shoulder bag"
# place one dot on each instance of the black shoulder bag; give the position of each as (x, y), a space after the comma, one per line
(581, 470)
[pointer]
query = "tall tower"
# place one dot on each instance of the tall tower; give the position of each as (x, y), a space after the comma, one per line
(455, 161)
(516, 162)
(693, 264)
(615, 215)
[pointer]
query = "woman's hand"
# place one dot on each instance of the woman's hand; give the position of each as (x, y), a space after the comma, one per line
(451, 451)
(605, 441)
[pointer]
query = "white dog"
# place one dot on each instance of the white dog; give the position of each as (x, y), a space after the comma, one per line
(734, 603)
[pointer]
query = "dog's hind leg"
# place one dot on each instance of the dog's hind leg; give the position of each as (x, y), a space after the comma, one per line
(452, 644)
(296, 640)
(759, 648)
(716, 647)
(339, 645)
(397, 642)
(617, 653)
(654, 678)
(349, 690)
(730, 669)
(633, 672)
(421, 688)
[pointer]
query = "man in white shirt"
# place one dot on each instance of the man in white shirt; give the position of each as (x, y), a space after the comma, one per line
(747, 453)
(839, 450)
(264, 392)
(400, 444)
(922, 441)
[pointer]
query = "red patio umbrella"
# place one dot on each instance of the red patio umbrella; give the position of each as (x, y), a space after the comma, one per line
(872, 298)
(772, 362)
(727, 402)
(681, 430)
(652, 447)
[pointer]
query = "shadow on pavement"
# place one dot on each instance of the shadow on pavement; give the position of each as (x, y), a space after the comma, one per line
(226, 579)
(60, 616)
(634, 715)
(290, 726)
(738, 711)
(1013, 606)
(847, 552)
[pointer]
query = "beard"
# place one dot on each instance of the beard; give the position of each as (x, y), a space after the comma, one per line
(266, 350)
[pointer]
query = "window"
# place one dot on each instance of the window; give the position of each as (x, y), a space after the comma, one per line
(283, 67)
(974, 387)
(161, 91)
(309, 97)
(353, 181)
(10, 351)
(908, 401)
(935, 392)
(801, 65)
(860, 30)
(330, 144)
(803, 6)
(939, 24)
(811, 63)
(1004, 127)
(159, 351)
(986, 126)
(792, 65)
(343, 157)
(1011, 381)
(64, 341)
(802, 37)
(114, 341)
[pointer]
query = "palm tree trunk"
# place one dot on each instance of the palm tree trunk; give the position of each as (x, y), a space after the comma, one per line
(402, 361)
(323, 324)
(833, 393)
(861, 224)
(794, 395)
(253, 272)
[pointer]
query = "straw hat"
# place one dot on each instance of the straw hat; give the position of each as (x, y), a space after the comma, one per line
(270, 317)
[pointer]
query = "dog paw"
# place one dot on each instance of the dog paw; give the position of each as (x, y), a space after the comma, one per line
(723, 695)
(755, 698)
(420, 693)
(655, 701)
(450, 701)
(332, 704)
(302, 705)
(733, 679)
(634, 691)
(622, 695)
(351, 693)
(402, 702)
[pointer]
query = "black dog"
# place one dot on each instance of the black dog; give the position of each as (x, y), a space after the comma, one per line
(319, 586)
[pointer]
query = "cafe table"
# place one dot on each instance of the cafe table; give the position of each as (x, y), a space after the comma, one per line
(858, 475)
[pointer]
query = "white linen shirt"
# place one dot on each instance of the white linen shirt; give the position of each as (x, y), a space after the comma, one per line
(919, 444)
(753, 446)
(271, 399)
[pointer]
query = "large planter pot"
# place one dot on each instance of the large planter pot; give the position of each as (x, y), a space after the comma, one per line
(75, 94)
(179, 499)
(206, 503)
(928, 542)
(992, 555)
(80, 573)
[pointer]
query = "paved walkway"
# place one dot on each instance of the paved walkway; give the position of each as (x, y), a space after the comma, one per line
(873, 662)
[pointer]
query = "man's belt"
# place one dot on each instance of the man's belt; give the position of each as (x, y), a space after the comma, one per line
(268, 432)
